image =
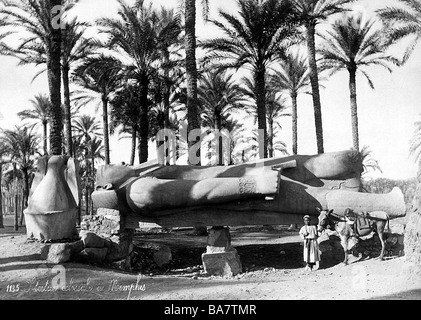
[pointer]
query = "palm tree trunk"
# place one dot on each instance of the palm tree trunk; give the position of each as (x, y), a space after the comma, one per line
(133, 151)
(67, 115)
(1, 199)
(261, 106)
(166, 100)
(193, 119)
(177, 147)
(44, 127)
(161, 147)
(218, 127)
(139, 152)
(25, 193)
(105, 129)
(314, 79)
(54, 85)
(209, 151)
(270, 138)
(86, 200)
(354, 110)
(294, 124)
(16, 212)
(143, 119)
(93, 187)
(15, 188)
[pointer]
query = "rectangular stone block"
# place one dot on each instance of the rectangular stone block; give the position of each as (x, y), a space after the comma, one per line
(226, 264)
(112, 217)
(219, 240)
(105, 211)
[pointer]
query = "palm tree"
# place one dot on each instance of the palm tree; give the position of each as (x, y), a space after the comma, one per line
(125, 113)
(369, 163)
(165, 140)
(3, 152)
(168, 75)
(193, 116)
(166, 114)
(100, 77)
(88, 148)
(75, 48)
(275, 107)
(313, 12)
(218, 96)
(87, 152)
(238, 141)
(258, 38)
(354, 45)
(22, 146)
(168, 46)
(134, 36)
(41, 106)
(86, 128)
(294, 78)
(415, 144)
(35, 19)
(402, 22)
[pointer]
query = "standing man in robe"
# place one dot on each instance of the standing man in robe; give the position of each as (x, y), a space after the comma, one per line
(311, 247)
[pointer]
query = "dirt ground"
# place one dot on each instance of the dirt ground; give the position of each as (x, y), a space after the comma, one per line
(271, 260)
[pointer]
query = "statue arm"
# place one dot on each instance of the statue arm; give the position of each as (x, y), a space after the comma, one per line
(155, 194)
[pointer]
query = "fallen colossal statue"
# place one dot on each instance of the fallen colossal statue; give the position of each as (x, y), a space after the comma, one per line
(269, 191)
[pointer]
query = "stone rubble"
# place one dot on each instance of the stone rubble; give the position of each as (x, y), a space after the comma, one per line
(101, 239)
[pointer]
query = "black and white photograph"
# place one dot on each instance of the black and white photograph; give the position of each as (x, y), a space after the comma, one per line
(210, 156)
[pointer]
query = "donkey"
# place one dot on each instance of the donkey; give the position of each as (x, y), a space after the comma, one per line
(329, 220)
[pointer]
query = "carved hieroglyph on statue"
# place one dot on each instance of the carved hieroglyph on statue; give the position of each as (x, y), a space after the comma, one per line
(53, 199)
(269, 191)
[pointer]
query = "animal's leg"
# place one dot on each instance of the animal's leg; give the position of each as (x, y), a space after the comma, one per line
(381, 237)
(345, 247)
(355, 250)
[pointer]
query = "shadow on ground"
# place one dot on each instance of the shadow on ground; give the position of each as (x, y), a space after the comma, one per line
(405, 295)
(258, 249)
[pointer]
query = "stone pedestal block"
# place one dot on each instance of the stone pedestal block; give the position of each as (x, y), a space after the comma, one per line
(225, 264)
(220, 257)
(219, 240)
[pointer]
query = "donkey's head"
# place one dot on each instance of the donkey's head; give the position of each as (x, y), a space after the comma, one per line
(323, 219)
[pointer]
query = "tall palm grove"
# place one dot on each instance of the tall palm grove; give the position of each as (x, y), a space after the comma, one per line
(146, 72)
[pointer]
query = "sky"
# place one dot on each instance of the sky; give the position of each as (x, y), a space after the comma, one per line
(386, 114)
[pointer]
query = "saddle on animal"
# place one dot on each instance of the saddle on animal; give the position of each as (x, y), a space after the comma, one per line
(363, 224)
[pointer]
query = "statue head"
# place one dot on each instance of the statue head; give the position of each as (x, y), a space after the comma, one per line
(113, 176)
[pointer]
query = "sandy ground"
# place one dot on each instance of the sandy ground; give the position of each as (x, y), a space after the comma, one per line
(272, 270)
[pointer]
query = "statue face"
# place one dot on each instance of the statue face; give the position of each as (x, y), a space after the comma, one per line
(113, 176)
